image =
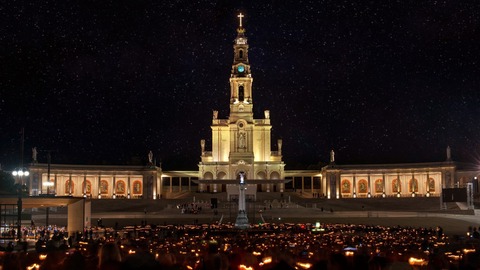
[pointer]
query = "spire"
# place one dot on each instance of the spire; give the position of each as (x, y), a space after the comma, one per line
(240, 17)
(240, 46)
(240, 31)
(241, 77)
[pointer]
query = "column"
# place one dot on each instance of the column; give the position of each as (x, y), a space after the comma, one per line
(337, 185)
(114, 187)
(303, 185)
(30, 183)
(99, 187)
(369, 187)
(445, 181)
(399, 191)
(354, 188)
(84, 185)
(413, 186)
(327, 186)
(128, 187)
(311, 183)
(180, 184)
(428, 184)
(160, 191)
(171, 189)
(54, 184)
(189, 184)
(383, 184)
(293, 183)
(71, 184)
(267, 186)
(154, 183)
(39, 177)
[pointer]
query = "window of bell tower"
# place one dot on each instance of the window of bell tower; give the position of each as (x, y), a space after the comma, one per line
(240, 54)
(241, 93)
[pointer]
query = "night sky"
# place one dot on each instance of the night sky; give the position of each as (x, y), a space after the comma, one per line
(104, 82)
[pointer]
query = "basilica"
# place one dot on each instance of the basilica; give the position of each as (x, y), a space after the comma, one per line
(242, 146)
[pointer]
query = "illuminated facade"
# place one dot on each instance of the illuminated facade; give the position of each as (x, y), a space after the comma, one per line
(240, 143)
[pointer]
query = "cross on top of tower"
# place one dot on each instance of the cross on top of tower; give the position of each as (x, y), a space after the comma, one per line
(240, 16)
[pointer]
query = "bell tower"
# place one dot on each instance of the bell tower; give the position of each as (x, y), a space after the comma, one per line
(241, 106)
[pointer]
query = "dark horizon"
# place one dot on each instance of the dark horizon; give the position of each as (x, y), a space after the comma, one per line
(102, 82)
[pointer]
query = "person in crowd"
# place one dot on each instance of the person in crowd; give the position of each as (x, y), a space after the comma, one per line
(109, 257)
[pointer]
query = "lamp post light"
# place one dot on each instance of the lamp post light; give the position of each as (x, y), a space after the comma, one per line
(20, 173)
(21, 187)
(49, 185)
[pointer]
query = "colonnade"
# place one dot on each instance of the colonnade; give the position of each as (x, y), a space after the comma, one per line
(383, 184)
(109, 186)
(88, 185)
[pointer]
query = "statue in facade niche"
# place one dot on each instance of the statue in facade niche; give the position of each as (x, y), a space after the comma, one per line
(241, 140)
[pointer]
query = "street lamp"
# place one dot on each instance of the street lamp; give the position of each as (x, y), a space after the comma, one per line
(20, 173)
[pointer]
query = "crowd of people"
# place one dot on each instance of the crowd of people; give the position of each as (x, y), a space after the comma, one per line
(265, 246)
(191, 207)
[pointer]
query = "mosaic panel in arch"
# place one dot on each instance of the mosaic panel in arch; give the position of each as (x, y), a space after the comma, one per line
(137, 187)
(120, 189)
(346, 186)
(362, 186)
(379, 186)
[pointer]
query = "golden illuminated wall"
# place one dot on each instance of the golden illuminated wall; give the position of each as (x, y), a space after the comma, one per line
(262, 142)
(220, 143)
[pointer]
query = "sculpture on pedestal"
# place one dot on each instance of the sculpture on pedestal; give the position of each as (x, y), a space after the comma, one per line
(332, 156)
(202, 145)
(267, 114)
(34, 154)
(242, 219)
(150, 158)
